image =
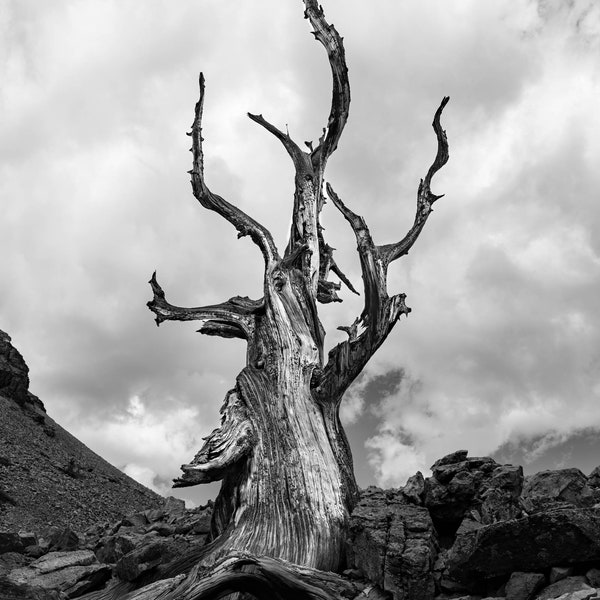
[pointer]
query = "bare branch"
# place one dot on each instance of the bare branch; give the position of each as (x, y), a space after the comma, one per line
(340, 100)
(380, 312)
(238, 218)
(379, 315)
(234, 318)
(373, 269)
(425, 198)
(223, 447)
(292, 148)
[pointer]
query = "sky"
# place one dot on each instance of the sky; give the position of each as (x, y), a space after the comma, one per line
(501, 353)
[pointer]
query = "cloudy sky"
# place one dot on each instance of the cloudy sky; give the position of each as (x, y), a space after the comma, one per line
(501, 354)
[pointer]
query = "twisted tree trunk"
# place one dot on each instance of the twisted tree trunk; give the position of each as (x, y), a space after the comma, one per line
(281, 452)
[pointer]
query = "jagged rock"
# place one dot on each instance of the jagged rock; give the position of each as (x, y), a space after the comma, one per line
(12, 591)
(155, 514)
(560, 537)
(393, 543)
(558, 573)
(174, 506)
(500, 495)
(593, 577)
(72, 573)
(579, 595)
(569, 585)
(12, 560)
(454, 457)
(414, 489)
(10, 542)
(147, 556)
(477, 489)
(35, 551)
(62, 538)
(28, 538)
(523, 586)
(14, 378)
(113, 548)
(594, 478)
(138, 520)
(563, 485)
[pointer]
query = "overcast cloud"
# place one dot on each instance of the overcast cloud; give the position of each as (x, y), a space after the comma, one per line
(501, 353)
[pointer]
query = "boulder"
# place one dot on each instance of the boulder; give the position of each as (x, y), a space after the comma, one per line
(523, 586)
(478, 489)
(569, 585)
(414, 489)
(136, 520)
(61, 538)
(564, 536)
(594, 478)
(10, 542)
(72, 573)
(147, 556)
(393, 543)
(563, 485)
(593, 577)
(112, 548)
(500, 494)
(174, 506)
(558, 573)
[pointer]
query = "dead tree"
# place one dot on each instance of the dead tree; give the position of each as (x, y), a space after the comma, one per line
(281, 453)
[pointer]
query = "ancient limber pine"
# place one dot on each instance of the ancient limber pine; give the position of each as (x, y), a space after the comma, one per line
(280, 451)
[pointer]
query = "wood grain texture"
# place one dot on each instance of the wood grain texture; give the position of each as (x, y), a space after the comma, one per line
(281, 453)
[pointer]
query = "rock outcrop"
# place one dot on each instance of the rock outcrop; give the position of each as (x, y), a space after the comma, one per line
(491, 533)
(393, 543)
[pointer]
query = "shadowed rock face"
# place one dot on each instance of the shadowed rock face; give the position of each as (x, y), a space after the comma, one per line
(14, 375)
(393, 543)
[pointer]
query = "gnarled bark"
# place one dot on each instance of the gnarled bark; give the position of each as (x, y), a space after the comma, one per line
(285, 464)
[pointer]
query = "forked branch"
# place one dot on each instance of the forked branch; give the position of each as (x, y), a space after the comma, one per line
(381, 312)
(292, 148)
(234, 318)
(238, 218)
(425, 198)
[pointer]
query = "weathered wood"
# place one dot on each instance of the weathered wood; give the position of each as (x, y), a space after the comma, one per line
(281, 453)
(263, 577)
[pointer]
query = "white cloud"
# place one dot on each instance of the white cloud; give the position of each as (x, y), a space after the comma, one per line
(148, 446)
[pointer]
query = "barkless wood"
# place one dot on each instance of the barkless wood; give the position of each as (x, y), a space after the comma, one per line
(280, 451)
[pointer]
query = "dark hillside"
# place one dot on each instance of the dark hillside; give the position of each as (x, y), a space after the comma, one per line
(47, 476)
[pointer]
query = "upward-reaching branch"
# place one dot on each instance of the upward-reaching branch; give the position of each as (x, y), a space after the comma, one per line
(340, 98)
(425, 198)
(238, 218)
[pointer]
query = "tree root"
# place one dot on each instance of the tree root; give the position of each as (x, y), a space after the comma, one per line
(261, 577)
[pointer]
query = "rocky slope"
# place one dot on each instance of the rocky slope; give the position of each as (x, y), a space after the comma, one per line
(48, 477)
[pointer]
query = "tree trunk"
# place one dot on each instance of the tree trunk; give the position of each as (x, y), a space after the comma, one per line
(289, 497)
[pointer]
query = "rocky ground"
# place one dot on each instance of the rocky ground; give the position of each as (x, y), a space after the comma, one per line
(73, 526)
(475, 529)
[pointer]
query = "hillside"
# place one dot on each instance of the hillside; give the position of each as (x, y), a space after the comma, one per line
(47, 476)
